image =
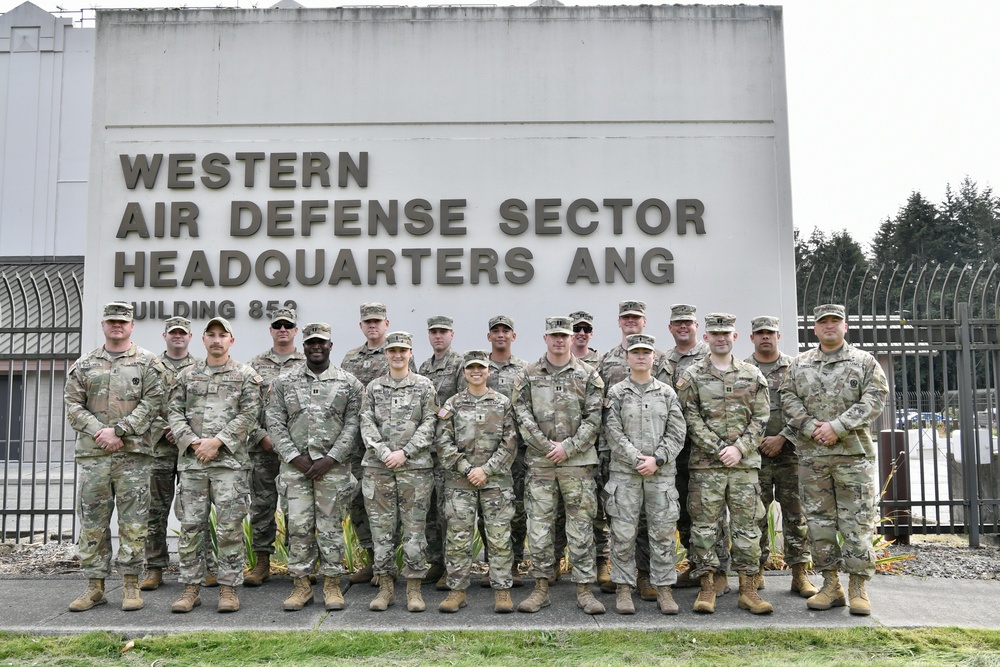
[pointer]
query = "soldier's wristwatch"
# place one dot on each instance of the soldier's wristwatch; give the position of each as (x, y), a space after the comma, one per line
(120, 430)
(659, 461)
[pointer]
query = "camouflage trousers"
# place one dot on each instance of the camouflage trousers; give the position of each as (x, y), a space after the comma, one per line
(162, 483)
(496, 508)
(359, 515)
(437, 522)
(839, 495)
(229, 491)
(264, 467)
(710, 493)
(315, 518)
(518, 524)
(779, 480)
(627, 496)
(684, 519)
(602, 529)
(397, 502)
(104, 483)
(542, 487)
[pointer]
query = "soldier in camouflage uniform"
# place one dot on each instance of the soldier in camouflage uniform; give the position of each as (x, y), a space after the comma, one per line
(646, 429)
(477, 443)
(444, 369)
(367, 362)
(397, 425)
(214, 405)
(163, 475)
(779, 465)
(557, 401)
(112, 397)
(313, 415)
(264, 461)
(726, 407)
(830, 397)
(583, 332)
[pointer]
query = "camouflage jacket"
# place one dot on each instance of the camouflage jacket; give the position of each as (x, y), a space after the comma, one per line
(677, 362)
(367, 365)
(592, 358)
(477, 431)
(776, 422)
(846, 388)
(103, 390)
(561, 406)
(613, 369)
(399, 414)
(215, 402)
(163, 448)
(722, 409)
(316, 415)
(502, 375)
(446, 375)
(269, 365)
(644, 421)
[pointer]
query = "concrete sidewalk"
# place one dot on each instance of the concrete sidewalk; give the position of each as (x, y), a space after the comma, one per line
(39, 605)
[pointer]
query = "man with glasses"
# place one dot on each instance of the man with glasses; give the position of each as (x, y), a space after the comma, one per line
(583, 331)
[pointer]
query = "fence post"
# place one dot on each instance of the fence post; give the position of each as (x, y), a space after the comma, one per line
(966, 411)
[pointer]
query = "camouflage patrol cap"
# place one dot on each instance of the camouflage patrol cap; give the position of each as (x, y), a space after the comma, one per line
(317, 330)
(374, 310)
(558, 325)
(118, 310)
(440, 322)
(683, 312)
(640, 341)
(481, 357)
(221, 321)
(764, 323)
(582, 317)
(286, 314)
(399, 339)
(181, 323)
(829, 310)
(632, 308)
(720, 323)
(498, 320)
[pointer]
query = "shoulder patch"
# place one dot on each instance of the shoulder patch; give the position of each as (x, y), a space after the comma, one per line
(443, 413)
(682, 381)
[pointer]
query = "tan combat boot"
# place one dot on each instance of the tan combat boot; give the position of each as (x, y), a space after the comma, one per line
(860, 605)
(538, 599)
(586, 601)
(260, 573)
(721, 584)
(386, 593)
(623, 600)
(749, 599)
(801, 583)
(414, 600)
(684, 580)
(131, 600)
(452, 603)
(365, 574)
(211, 580)
(758, 579)
(831, 595)
(229, 601)
(152, 580)
(502, 604)
(515, 575)
(301, 595)
(665, 599)
(647, 591)
(333, 597)
(93, 596)
(705, 602)
(604, 575)
(188, 600)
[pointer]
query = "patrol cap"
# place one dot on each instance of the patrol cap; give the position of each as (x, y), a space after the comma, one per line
(720, 323)
(399, 339)
(497, 320)
(287, 314)
(558, 325)
(829, 310)
(764, 323)
(317, 330)
(374, 310)
(632, 308)
(440, 322)
(182, 323)
(683, 312)
(221, 321)
(118, 310)
(582, 317)
(640, 342)
(473, 357)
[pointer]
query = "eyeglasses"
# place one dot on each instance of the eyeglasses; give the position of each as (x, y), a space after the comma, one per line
(282, 324)
(577, 328)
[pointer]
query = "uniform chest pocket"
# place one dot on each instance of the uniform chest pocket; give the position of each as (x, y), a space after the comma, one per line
(198, 388)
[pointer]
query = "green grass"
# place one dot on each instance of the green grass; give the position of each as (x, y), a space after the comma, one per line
(827, 647)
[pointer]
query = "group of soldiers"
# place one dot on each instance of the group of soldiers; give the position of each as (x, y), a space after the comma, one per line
(606, 458)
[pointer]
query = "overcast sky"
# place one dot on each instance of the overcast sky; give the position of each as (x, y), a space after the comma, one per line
(884, 98)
